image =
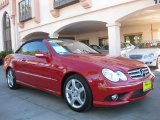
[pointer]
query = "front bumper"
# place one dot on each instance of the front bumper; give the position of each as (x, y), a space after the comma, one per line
(149, 62)
(125, 94)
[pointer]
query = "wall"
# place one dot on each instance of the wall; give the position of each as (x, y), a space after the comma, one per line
(92, 37)
(7, 9)
(149, 31)
(144, 29)
(2, 11)
(74, 10)
(1, 31)
(100, 11)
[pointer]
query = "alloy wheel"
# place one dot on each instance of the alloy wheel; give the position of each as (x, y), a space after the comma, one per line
(10, 79)
(75, 93)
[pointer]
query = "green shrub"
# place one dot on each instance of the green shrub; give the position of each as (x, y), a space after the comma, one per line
(5, 53)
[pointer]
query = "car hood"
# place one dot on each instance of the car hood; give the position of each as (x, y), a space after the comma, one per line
(105, 61)
(143, 51)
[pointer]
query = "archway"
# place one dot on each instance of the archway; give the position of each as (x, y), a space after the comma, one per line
(94, 33)
(35, 35)
(7, 32)
(88, 32)
(141, 25)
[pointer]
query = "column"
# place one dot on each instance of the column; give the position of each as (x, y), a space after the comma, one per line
(114, 39)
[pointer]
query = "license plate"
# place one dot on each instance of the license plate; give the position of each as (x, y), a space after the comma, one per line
(147, 85)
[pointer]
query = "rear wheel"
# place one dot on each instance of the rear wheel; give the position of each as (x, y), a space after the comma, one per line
(77, 93)
(11, 79)
(158, 63)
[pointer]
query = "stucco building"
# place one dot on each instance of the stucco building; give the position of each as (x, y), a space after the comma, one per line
(97, 22)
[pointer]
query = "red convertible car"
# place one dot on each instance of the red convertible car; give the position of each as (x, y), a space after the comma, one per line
(78, 73)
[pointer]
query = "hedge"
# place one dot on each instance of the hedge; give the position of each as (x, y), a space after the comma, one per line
(5, 53)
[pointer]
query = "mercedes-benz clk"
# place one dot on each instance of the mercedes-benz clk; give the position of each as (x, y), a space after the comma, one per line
(81, 75)
(147, 52)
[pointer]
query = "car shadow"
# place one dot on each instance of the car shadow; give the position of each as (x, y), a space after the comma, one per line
(31, 94)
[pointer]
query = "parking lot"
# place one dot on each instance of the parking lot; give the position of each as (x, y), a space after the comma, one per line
(30, 104)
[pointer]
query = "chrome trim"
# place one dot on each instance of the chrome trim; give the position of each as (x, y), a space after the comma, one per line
(139, 73)
(36, 75)
(39, 55)
(117, 87)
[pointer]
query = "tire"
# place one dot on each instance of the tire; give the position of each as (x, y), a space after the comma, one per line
(11, 79)
(158, 63)
(77, 93)
(1, 61)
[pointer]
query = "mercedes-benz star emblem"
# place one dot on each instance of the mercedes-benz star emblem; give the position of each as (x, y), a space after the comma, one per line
(143, 74)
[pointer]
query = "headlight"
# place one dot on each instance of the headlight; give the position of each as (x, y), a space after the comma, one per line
(127, 55)
(110, 75)
(121, 75)
(114, 76)
(124, 55)
(150, 71)
(150, 56)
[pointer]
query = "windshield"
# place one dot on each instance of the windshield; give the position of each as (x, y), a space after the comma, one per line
(95, 47)
(155, 44)
(64, 47)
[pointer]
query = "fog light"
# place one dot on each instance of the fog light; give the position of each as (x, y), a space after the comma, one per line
(114, 97)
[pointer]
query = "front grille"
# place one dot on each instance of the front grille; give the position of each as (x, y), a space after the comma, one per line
(138, 73)
(135, 57)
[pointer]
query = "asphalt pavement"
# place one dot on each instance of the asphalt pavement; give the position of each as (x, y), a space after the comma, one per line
(31, 104)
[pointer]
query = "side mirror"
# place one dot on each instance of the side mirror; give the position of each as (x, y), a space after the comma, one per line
(41, 55)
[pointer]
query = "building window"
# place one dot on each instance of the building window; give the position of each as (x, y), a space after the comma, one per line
(25, 12)
(103, 42)
(7, 32)
(135, 39)
(157, 1)
(85, 42)
(63, 3)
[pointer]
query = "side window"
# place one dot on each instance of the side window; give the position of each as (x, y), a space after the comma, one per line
(23, 49)
(32, 47)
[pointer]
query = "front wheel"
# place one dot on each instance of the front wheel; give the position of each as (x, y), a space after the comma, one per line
(77, 93)
(11, 79)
